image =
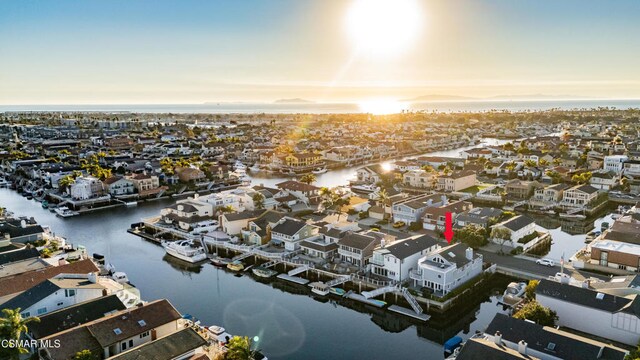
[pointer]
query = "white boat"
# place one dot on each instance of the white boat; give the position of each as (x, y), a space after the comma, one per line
(131, 204)
(120, 277)
(364, 188)
(515, 289)
(320, 288)
(185, 250)
(65, 212)
(219, 334)
(572, 216)
(319, 170)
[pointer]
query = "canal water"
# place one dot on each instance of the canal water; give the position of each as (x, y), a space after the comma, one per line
(286, 320)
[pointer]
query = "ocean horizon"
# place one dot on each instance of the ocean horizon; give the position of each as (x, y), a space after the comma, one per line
(330, 108)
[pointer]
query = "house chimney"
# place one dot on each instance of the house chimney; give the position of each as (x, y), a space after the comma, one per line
(443, 198)
(522, 347)
(382, 243)
(469, 254)
(497, 338)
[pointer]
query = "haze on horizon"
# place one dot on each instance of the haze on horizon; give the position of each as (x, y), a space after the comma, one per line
(158, 51)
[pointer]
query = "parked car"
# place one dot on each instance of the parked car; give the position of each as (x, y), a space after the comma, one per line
(545, 262)
(399, 224)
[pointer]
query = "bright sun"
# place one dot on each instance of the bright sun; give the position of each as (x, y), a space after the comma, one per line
(383, 27)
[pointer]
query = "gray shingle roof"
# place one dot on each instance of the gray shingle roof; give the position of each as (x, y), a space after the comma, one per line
(517, 222)
(289, 226)
(18, 255)
(31, 296)
(581, 296)
(407, 247)
(166, 348)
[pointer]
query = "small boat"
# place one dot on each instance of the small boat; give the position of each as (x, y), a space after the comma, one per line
(185, 250)
(65, 212)
(219, 334)
(235, 266)
(220, 261)
(320, 288)
(451, 345)
(604, 226)
(45, 204)
(337, 291)
(263, 272)
(319, 170)
(120, 277)
(131, 204)
(515, 289)
(364, 188)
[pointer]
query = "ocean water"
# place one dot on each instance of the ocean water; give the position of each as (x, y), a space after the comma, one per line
(336, 108)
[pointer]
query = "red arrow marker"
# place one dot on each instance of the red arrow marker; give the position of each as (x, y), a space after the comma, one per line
(448, 232)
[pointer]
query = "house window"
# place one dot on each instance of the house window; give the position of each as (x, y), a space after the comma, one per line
(42, 310)
(124, 346)
(60, 303)
(69, 292)
(26, 314)
(622, 267)
(131, 343)
(604, 256)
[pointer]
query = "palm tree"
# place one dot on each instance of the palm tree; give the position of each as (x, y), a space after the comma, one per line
(239, 348)
(12, 325)
(308, 178)
(258, 200)
(65, 182)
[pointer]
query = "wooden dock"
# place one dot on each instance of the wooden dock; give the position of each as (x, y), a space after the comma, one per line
(409, 312)
(295, 279)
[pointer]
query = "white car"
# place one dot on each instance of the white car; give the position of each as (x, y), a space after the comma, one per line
(545, 262)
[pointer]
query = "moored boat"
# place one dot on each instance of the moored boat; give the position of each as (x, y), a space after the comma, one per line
(263, 272)
(185, 250)
(235, 266)
(320, 288)
(572, 216)
(319, 170)
(45, 204)
(65, 212)
(337, 291)
(220, 261)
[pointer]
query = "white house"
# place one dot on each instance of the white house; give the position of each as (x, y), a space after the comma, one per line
(615, 163)
(86, 187)
(458, 180)
(604, 180)
(444, 269)
(579, 196)
(116, 186)
(592, 312)
(412, 209)
(420, 179)
(394, 261)
(518, 226)
(68, 289)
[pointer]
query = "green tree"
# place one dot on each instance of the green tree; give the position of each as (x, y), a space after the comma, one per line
(309, 178)
(537, 313)
(582, 178)
(85, 355)
(530, 291)
(65, 182)
(239, 348)
(12, 326)
(472, 235)
(502, 235)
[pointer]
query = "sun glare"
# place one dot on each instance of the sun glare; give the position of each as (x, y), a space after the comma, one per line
(381, 106)
(383, 27)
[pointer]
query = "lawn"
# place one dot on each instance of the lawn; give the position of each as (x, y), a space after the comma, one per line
(475, 188)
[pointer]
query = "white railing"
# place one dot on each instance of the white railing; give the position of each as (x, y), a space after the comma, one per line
(298, 270)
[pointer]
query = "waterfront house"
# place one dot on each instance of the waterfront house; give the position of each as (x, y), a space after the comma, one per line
(579, 196)
(69, 289)
(145, 184)
(420, 179)
(604, 180)
(394, 261)
(618, 247)
(435, 217)
(86, 187)
(447, 268)
(457, 181)
(17, 283)
(518, 190)
(479, 216)
(518, 226)
(304, 192)
(592, 312)
(548, 195)
(183, 344)
(118, 185)
(75, 315)
(411, 209)
(290, 232)
(370, 174)
(20, 230)
(233, 223)
(357, 248)
(184, 214)
(115, 333)
(477, 153)
(509, 338)
(258, 231)
(632, 167)
(303, 161)
(326, 245)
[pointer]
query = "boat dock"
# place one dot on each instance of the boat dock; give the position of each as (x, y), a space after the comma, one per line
(295, 279)
(358, 297)
(409, 312)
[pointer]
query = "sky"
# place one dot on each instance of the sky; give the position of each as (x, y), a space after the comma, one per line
(184, 51)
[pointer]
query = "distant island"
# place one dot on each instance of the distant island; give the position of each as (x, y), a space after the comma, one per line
(294, 101)
(440, 97)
